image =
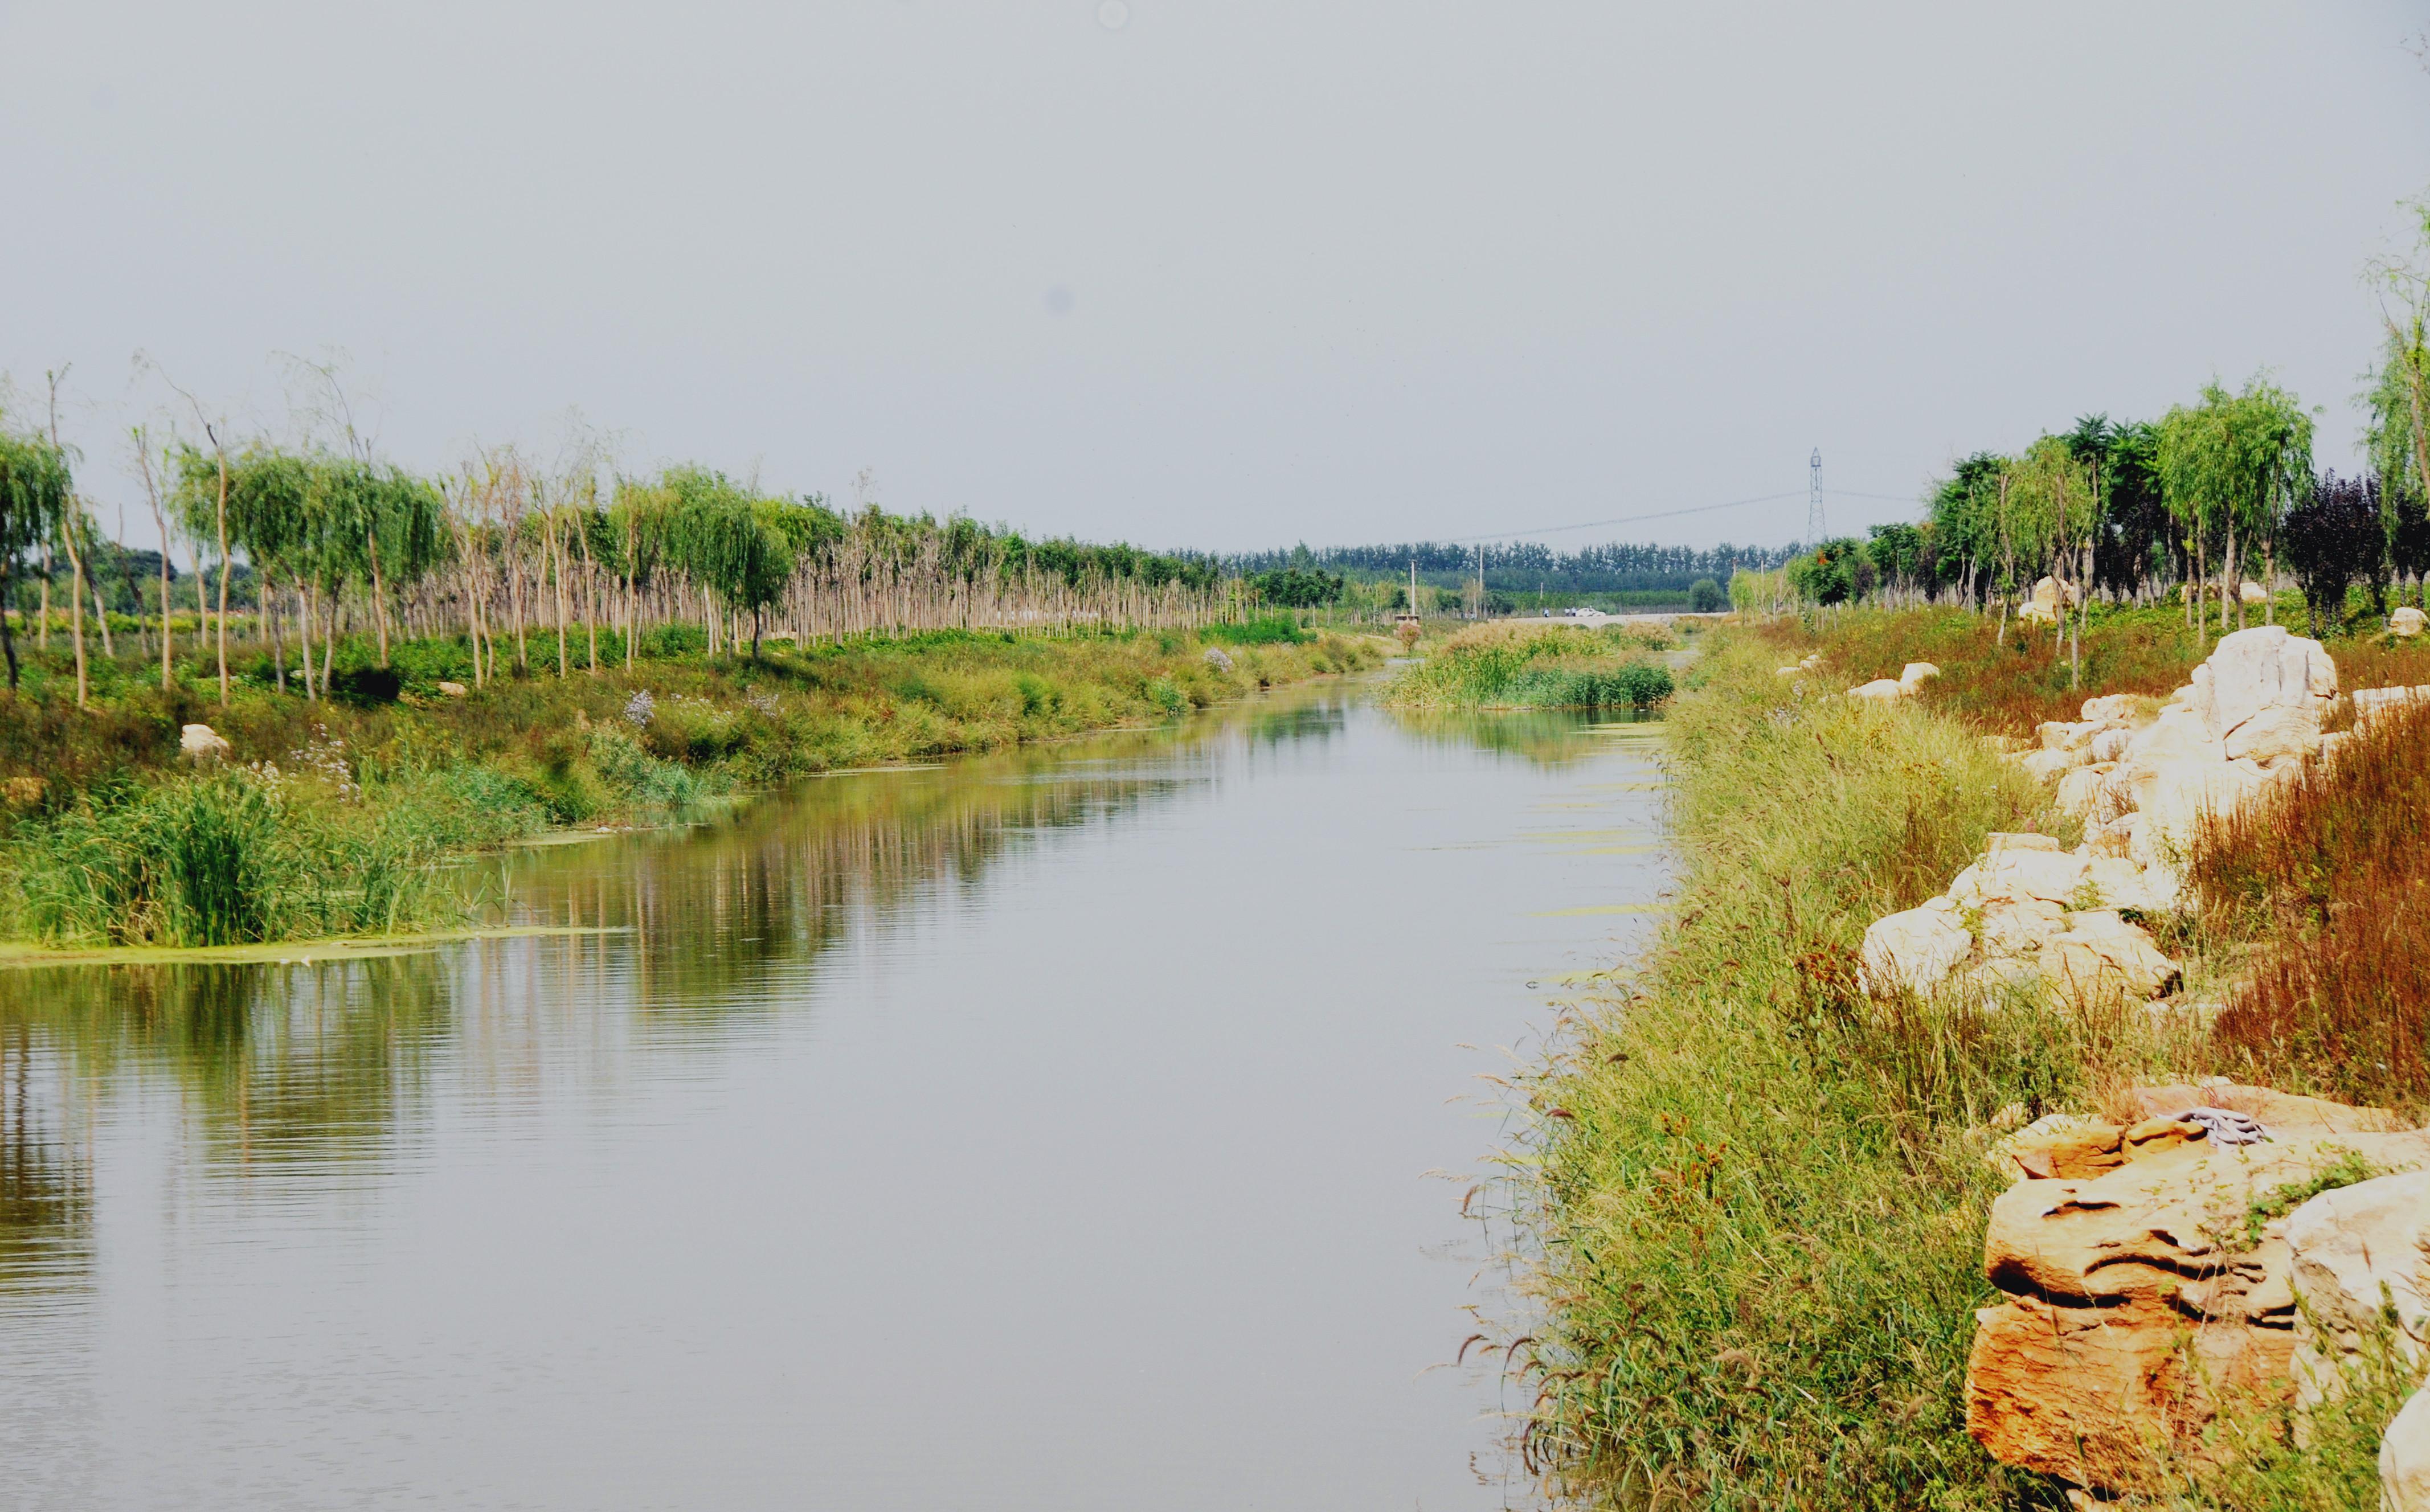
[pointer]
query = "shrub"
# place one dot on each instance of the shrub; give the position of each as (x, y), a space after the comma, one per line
(1704, 596)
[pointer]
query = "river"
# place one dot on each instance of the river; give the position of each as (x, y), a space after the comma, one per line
(1080, 1127)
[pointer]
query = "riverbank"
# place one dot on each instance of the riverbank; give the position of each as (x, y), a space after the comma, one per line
(334, 818)
(1752, 1197)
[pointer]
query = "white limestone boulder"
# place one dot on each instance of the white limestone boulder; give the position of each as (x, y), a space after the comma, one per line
(2179, 796)
(1915, 950)
(2260, 669)
(201, 744)
(1916, 674)
(2357, 1250)
(2079, 792)
(1881, 690)
(2371, 703)
(2405, 1458)
(2406, 622)
(2101, 957)
(2253, 592)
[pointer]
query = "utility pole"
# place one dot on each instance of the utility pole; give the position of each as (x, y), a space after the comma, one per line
(1814, 498)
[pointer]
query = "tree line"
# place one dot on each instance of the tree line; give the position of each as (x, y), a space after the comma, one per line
(1523, 566)
(2189, 505)
(529, 564)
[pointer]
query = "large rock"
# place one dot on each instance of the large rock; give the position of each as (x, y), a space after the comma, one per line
(2048, 766)
(1916, 674)
(2067, 735)
(2360, 1259)
(2010, 870)
(2174, 799)
(1914, 950)
(2275, 732)
(2079, 791)
(2101, 958)
(201, 743)
(2253, 592)
(2017, 926)
(2371, 703)
(1881, 690)
(2405, 1458)
(2110, 709)
(2137, 1292)
(2406, 622)
(2260, 669)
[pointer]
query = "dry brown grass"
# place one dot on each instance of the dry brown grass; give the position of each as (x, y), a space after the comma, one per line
(2330, 882)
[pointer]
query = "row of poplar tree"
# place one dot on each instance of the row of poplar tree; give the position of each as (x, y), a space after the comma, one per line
(503, 552)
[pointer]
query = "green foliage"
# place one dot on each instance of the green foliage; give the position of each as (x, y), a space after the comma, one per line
(1704, 596)
(1832, 573)
(1532, 664)
(1275, 631)
(1293, 587)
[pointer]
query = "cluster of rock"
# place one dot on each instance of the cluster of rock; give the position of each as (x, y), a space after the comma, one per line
(2140, 774)
(2148, 1270)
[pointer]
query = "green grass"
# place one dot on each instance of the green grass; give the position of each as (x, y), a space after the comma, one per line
(336, 818)
(1528, 664)
(1748, 1206)
(1750, 1212)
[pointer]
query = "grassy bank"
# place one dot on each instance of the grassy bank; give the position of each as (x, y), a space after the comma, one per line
(1751, 1204)
(1538, 664)
(340, 817)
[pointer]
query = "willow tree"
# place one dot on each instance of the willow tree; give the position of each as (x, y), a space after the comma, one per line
(2398, 434)
(36, 491)
(736, 546)
(2230, 469)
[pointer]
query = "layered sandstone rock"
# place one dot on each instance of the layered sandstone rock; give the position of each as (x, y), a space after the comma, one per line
(2137, 1284)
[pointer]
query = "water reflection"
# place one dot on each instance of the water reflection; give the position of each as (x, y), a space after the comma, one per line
(310, 1072)
(958, 1137)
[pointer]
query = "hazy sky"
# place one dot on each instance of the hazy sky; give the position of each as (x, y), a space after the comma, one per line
(1215, 275)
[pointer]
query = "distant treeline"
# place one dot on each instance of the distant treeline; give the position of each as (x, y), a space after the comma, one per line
(1525, 567)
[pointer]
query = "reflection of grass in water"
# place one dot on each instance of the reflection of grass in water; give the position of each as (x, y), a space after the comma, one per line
(1550, 738)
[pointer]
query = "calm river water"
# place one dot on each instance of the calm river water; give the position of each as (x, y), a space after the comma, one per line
(1042, 1131)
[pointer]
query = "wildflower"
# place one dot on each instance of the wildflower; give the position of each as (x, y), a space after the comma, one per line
(641, 707)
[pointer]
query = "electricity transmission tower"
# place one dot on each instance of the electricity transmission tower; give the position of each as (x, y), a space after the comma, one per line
(1814, 498)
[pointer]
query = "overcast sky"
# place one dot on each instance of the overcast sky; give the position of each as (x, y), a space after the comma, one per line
(1214, 274)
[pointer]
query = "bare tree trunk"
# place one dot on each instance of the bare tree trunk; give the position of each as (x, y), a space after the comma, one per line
(76, 598)
(304, 619)
(557, 569)
(222, 453)
(379, 590)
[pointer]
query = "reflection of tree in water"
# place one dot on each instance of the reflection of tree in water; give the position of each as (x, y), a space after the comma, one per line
(711, 912)
(45, 1189)
(307, 1073)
